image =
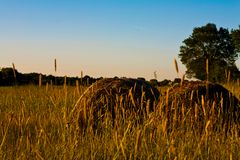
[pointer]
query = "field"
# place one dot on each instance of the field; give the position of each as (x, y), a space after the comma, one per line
(36, 124)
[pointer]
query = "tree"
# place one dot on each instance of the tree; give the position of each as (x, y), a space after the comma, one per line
(7, 77)
(212, 44)
(236, 38)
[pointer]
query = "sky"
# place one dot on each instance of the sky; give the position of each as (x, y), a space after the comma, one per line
(105, 38)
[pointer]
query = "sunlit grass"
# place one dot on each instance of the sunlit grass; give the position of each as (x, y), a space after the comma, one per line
(35, 124)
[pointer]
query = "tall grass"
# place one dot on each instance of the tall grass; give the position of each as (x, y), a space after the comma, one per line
(207, 78)
(34, 124)
(176, 66)
(14, 73)
(40, 80)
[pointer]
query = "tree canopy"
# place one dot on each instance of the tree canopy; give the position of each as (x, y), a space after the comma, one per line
(236, 38)
(218, 46)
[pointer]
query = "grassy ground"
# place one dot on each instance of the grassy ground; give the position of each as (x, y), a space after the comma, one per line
(34, 124)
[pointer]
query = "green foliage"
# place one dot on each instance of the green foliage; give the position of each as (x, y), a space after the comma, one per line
(216, 45)
(236, 38)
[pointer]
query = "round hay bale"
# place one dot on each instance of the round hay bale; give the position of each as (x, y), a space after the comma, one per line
(191, 99)
(114, 96)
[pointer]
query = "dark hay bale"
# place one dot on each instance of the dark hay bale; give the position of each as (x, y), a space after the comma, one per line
(114, 97)
(191, 102)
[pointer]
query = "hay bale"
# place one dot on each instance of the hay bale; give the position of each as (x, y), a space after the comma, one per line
(220, 105)
(114, 96)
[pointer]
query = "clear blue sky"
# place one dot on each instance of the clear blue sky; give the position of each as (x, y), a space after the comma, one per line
(131, 38)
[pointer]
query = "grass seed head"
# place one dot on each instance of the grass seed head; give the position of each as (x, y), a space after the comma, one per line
(176, 65)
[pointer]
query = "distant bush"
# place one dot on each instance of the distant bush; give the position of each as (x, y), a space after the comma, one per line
(164, 82)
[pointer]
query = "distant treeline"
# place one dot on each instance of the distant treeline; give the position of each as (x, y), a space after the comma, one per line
(9, 78)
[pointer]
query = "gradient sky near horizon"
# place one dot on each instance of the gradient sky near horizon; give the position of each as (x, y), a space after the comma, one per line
(105, 38)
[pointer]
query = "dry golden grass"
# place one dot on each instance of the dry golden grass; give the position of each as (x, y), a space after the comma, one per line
(34, 124)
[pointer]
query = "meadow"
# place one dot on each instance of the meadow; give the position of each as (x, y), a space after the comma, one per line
(35, 124)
